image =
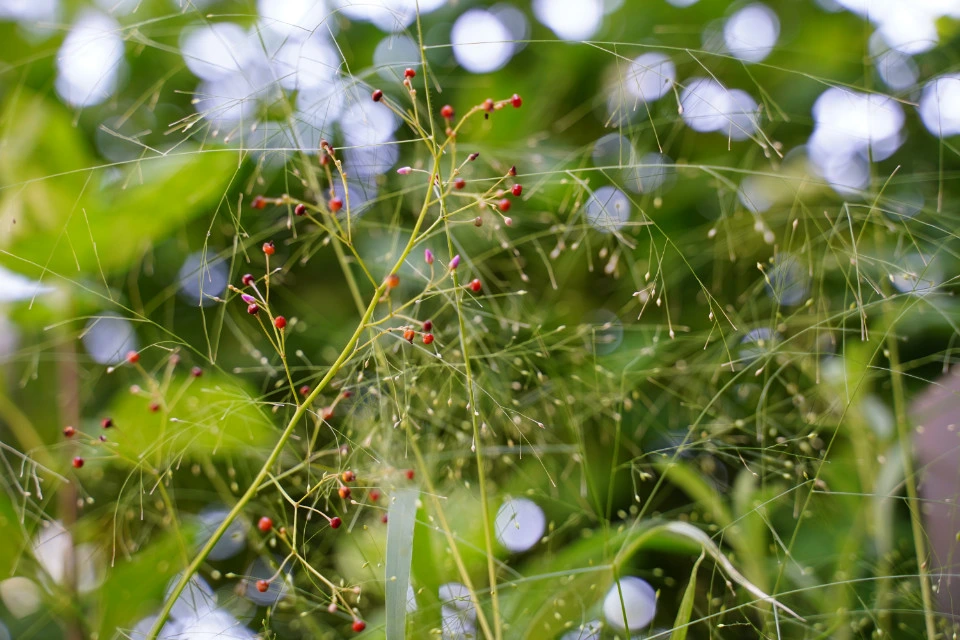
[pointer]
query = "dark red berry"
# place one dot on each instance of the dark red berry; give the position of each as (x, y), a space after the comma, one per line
(473, 156)
(269, 248)
(247, 279)
(392, 281)
(133, 357)
(374, 496)
(409, 474)
(77, 462)
(359, 625)
(106, 423)
(265, 524)
(300, 210)
(262, 586)
(512, 171)
(335, 522)
(427, 325)
(336, 204)
(409, 335)
(154, 407)
(258, 202)
(196, 372)
(103, 438)
(69, 431)
(517, 189)
(348, 476)
(347, 394)
(280, 322)
(344, 492)
(427, 338)
(304, 390)
(478, 221)
(516, 101)
(383, 518)
(377, 95)
(459, 183)
(447, 112)
(504, 205)
(253, 309)
(475, 285)
(409, 73)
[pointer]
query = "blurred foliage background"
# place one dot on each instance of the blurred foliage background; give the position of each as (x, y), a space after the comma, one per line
(710, 329)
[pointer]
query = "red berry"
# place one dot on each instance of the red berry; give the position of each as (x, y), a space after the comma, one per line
(265, 524)
(517, 189)
(348, 476)
(475, 285)
(77, 462)
(269, 248)
(409, 335)
(409, 474)
(473, 156)
(504, 205)
(258, 202)
(247, 279)
(512, 171)
(409, 73)
(335, 522)
(459, 183)
(280, 322)
(447, 112)
(154, 407)
(377, 95)
(374, 496)
(347, 394)
(359, 625)
(196, 372)
(383, 518)
(262, 586)
(488, 105)
(133, 357)
(344, 492)
(427, 325)
(69, 431)
(427, 338)
(335, 204)
(392, 280)
(478, 221)
(305, 389)
(516, 101)
(253, 309)
(300, 210)
(106, 423)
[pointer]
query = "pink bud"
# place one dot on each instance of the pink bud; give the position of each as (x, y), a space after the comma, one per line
(508, 222)
(248, 298)
(455, 262)
(404, 170)
(428, 256)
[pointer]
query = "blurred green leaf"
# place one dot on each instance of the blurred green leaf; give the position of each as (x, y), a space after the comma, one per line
(403, 514)
(207, 416)
(682, 622)
(68, 213)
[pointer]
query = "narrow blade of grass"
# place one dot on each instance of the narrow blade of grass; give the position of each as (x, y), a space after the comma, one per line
(401, 519)
(685, 612)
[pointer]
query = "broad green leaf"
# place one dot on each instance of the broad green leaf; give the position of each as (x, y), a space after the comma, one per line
(134, 586)
(65, 211)
(209, 416)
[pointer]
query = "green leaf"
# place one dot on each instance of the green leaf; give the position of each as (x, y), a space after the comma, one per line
(134, 586)
(210, 415)
(682, 622)
(400, 523)
(66, 212)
